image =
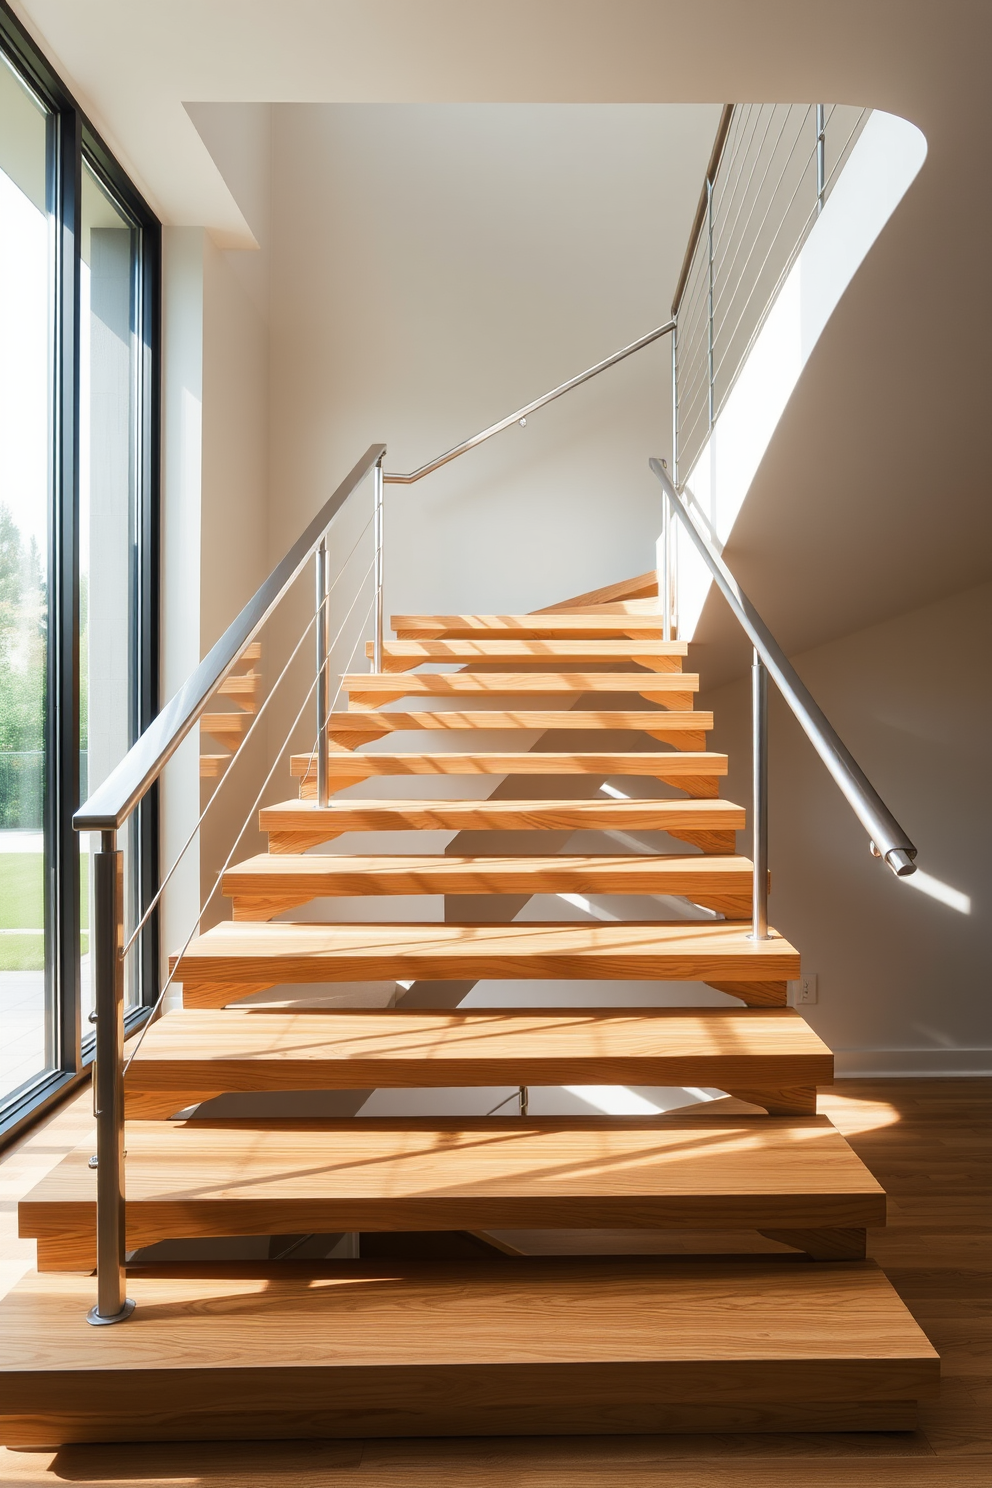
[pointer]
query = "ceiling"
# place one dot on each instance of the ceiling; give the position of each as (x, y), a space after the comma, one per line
(874, 496)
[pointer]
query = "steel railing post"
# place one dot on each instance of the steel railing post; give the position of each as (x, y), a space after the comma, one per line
(112, 1304)
(821, 158)
(711, 407)
(759, 798)
(377, 530)
(322, 673)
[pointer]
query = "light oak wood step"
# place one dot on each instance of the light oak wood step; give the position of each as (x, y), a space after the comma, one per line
(285, 1177)
(559, 624)
(297, 825)
(267, 885)
(684, 729)
(696, 772)
(657, 656)
(373, 689)
(769, 1056)
(233, 959)
(395, 1348)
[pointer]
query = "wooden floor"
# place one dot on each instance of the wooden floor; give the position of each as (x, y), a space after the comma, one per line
(927, 1141)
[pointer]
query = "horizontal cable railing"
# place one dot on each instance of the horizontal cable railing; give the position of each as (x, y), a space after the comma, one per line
(110, 807)
(770, 174)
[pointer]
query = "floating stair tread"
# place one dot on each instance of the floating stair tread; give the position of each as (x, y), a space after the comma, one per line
(313, 877)
(396, 1348)
(708, 813)
(278, 1177)
(398, 655)
(655, 720)
(666, 765)
(552, 624)
(265, 954)
(244, 1049)
(444, 684)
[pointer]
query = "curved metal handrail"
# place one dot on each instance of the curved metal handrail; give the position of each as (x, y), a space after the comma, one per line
(395, 479)
(888, 839)
(110, 805)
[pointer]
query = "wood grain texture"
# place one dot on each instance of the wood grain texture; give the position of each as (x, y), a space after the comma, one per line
(693, 771)
(402, 1349)
(575, 624)
(685, 730)
(657, 656)
(261, 882)
(935, 1250)
(370, 689)
(204, 1177)
(202, 1050)
(219, 965)
(304, 819)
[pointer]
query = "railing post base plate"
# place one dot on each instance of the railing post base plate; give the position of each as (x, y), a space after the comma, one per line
(95, 1317)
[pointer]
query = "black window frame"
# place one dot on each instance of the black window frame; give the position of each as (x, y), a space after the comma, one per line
(73, 139)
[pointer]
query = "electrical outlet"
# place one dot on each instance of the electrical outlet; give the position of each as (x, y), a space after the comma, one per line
(803, 991)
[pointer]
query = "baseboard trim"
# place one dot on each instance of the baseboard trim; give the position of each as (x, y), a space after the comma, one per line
(912, 1063)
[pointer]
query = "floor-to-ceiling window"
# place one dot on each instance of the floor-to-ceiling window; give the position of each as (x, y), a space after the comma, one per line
(79, 253)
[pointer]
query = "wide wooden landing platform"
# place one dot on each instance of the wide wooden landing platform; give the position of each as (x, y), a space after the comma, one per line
(283, 1177)
(266, 885)
(770, 1056)
(530, 1347)
(233, 959)
(296, 825)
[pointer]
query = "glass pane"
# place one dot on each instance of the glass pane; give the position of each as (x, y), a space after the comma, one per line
(108, 483)
(28, 1045)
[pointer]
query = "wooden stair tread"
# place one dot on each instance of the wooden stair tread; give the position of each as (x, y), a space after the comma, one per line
(400, 1348)
(240, 1177)
(313, 877)
(670, 765)
(244, 1049)
(657, 655)
(303, 822)
(444, 684)
(260, 954)
(659, 720)
(589, 623)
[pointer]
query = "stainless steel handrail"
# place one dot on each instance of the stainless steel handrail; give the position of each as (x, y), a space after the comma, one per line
(888, 839)
(393, 478)
(110, 805)
(106, 812)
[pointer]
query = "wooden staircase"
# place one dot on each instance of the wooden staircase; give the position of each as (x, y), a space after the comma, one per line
(811, 1337)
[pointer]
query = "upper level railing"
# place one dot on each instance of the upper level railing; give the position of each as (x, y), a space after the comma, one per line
(770, 174)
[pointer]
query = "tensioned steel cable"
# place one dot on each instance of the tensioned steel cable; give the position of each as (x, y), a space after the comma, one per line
(771, 201)
(725, 234)
(794, 254)
(227, 862)
(237, 754)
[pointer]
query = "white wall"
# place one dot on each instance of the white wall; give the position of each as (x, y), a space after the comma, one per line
(434, 267)
(904, 979)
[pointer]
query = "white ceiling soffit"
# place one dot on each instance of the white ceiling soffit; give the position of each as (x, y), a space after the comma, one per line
(135, 63)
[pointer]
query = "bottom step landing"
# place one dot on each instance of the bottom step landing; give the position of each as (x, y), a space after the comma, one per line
(536, 1347)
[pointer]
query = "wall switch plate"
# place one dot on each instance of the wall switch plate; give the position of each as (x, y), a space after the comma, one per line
(803, 991)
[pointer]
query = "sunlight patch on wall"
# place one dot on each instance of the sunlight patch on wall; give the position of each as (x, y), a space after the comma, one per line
(935, 888)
